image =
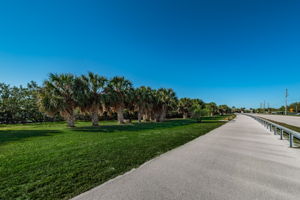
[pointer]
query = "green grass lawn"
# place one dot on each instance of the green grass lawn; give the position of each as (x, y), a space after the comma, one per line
(51, 161)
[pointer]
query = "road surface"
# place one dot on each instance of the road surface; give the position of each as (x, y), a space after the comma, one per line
(240, 160)
(291, 120)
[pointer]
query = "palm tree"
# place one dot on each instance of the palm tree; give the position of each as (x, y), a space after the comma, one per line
(130, 104)
(184, 106)
(93, 98)
(212, 107)
(151, 104)
(154, 106)
(142, 101)
(199, 102)
(118, 91)
(59, 95)
(224, 109)
(167, 99)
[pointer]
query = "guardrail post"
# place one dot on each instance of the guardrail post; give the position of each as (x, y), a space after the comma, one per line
(281, 134)
(275, 130)
(271, 127)
(291, 140)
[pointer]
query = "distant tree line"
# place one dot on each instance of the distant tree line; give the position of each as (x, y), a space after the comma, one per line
(292, 109)
(19, 105)
(94, 97)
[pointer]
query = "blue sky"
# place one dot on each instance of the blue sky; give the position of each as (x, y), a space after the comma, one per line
(232, 52)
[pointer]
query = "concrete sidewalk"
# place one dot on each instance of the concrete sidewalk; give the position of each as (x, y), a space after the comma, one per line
(238, 161)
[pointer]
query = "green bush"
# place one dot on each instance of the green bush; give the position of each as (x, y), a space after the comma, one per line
(199, 112)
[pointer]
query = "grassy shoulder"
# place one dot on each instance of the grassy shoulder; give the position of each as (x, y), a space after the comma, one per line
(50, 161)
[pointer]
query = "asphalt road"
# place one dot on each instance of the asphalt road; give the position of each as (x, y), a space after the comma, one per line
(238, 161)
(292, 120)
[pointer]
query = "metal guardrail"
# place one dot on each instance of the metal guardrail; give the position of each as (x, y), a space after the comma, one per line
(273, 127)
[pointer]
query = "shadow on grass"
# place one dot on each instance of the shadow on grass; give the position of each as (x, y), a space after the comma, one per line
(15, 135)
(218, 117)
(213, 121)
(135, 126)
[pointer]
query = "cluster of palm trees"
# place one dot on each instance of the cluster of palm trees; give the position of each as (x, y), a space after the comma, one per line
(187, 106)
(66, 94)
(94, 95)
(192, 107)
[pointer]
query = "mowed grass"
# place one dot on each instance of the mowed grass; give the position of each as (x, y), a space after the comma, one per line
(51, 161)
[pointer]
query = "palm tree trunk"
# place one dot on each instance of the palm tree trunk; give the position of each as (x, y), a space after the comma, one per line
(70, 118)
(120, 116)
(161, 117)
(139, 117)
(156, 117)
(185, 115)
(163, 114)
(146, 117)
(95, 119)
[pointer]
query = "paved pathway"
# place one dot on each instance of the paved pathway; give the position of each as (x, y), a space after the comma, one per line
(292, 120)
(238, 161)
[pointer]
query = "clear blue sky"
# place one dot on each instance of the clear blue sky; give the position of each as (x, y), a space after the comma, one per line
(236, 52)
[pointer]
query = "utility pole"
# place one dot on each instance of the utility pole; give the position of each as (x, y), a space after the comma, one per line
(264, 106)
(286, 96)
(268, 107)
